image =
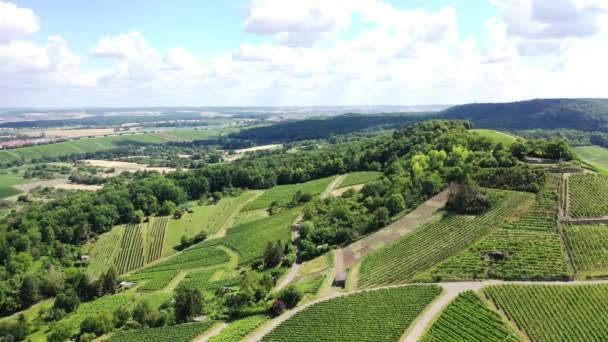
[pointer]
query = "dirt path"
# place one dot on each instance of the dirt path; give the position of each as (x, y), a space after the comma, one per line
(419, 216)
(222, 231)
(213, 332)
(293, 272)
(451, 290)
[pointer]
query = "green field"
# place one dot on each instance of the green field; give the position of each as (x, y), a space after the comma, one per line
(589, 246)
(433, 243)
(587, 196)
(527, 248)
(239, 329)
(496, 136)
(550, 313)
(311, 286)
(202, 134)
(468, 318)
(380, 315)
(104, 251)
(283, 194)
(9, 179)
(172, 333)
(83, 145)
(208, 218)
(356, 178)
(594, 155)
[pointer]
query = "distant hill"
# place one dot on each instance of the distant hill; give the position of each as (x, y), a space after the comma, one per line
(581, 114)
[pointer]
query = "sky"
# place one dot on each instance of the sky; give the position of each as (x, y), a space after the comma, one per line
(74, 53)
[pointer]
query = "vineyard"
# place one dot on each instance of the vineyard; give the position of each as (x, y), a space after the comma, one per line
(283, 194)
(311, 286)
(104, 251)
(379, 315)
(250, 240)
(587, 196)
(356, 178)
(468, 318)
(131, 250)
(170, 333)
(159, 227)
(239, 329)
(191, 258)
(433, 243)
(589, 246)
(555, 313)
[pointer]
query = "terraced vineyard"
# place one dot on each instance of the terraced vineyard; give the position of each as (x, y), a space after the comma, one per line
(239, 329)
(171, 333)
(283, 194)
(555, 313)
(587, 196)
(379, 315)
(250, 239)
(311, 286)
(131, 250)
(356, 178)
(589, 246)
(158, 237)
(468, 318)
(192, 258)
(105, 251)
(197, 279)
(433, 243)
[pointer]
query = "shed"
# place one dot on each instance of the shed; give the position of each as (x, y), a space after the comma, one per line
(85, 257)
(340, 280)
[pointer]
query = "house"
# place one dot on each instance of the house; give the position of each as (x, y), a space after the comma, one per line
(340, 280)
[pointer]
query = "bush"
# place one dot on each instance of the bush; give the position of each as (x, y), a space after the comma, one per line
(291, 296)
(278, 307)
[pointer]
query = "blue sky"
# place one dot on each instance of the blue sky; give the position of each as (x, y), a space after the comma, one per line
(309, 52)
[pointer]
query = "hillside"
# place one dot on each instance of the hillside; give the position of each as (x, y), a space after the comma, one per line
(580, 114)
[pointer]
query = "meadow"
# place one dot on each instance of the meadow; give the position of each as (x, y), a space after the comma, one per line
(594, 155)
(379, 315)
(496, 136)
(283, 194)
(356, 178)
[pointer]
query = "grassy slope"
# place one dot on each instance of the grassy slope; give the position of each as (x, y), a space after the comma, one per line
(284, 193)
(356, 178)
(496, 136)
(202, 134)
(594, 155)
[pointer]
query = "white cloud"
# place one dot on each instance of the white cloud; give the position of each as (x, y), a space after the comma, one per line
(16, 22)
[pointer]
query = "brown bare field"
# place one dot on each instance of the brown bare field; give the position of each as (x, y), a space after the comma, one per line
(71, 186)
(57, 184)
(72, 133)
(121, 166)
(240, 153)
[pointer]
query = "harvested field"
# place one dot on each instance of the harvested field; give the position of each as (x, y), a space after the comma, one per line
(121, 166)
(72, 133)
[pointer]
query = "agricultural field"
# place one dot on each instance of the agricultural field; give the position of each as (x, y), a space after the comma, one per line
(250, 240)
(283, 194)
(131, 254)
(435, 242)
(528, 247)
(240, 328)
(589, 247)
(245, 217)
(83, 145)
(594, 155)
(468, 318)
(104, 251)
(356, 178)
(496, 136)
(587, 196)
(7, 181)
(380, 315)
(208, 218)
(203, 134)
(311, 286)
(191, 258)
(171, 333)
(197, 279)
(152, 281)
(555, 313)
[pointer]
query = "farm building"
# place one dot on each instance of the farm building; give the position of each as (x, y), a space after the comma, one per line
(340, 280)
(127, 284)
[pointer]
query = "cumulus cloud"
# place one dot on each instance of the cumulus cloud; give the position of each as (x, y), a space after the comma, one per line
(16, 22)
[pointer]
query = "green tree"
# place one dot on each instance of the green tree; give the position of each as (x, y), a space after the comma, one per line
(167, 208)
(291, 296)
(67, 301)
(28, 291)
(100, 324)
(109, 281)
(188, 304)
(395, 204)
(273, 255)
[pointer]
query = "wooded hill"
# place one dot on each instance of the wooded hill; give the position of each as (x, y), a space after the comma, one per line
(579, 114)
